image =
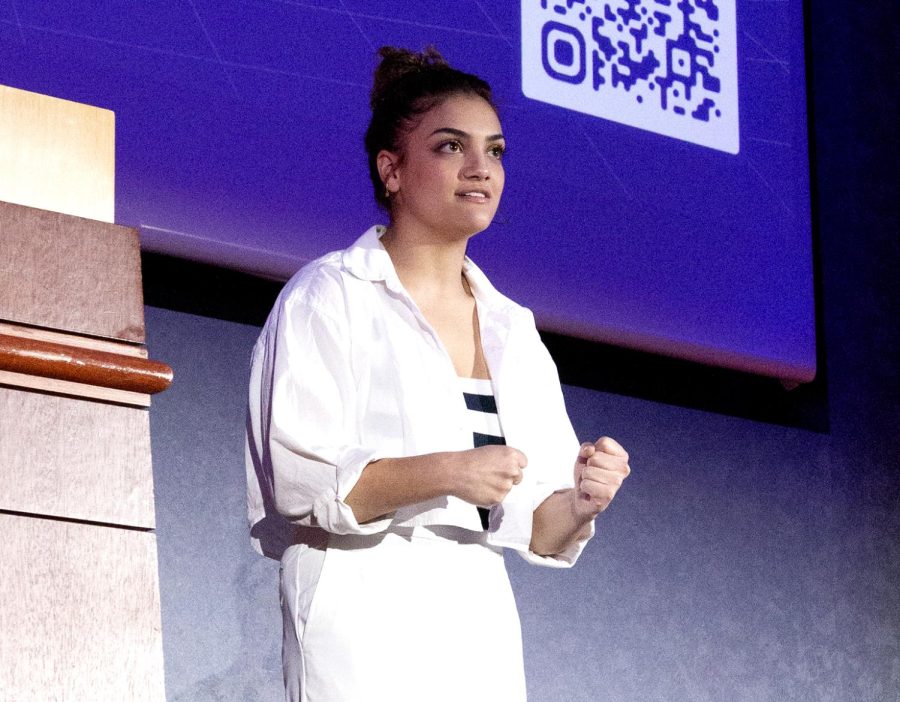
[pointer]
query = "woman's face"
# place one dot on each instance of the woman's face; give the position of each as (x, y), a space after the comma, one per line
(449, 177)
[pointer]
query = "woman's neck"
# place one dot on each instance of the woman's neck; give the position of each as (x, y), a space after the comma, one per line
(428, 266)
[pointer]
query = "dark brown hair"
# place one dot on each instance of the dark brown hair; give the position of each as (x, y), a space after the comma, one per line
(407, 85)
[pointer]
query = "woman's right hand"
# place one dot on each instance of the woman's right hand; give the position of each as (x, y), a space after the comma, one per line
(483, 476)
(480, 476)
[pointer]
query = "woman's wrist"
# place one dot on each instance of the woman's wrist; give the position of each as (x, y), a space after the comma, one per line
(445, 472)
(559, 522)
(583, 509)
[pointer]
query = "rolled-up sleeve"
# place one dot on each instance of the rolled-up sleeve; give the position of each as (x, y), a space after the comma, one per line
(303, 418)
(540, 425)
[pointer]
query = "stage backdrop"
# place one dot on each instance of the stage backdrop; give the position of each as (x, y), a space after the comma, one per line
(657, 189)
(742, 562)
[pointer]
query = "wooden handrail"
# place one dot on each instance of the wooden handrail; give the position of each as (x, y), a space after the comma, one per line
(80, 365)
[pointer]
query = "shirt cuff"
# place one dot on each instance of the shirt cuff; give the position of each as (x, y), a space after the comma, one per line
(512, 521)
(330, 510)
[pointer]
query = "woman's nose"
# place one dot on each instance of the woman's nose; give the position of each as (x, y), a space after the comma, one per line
(476, 167)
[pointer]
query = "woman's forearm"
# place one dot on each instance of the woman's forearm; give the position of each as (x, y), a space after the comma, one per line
(390, 483)
(480, 476)
(558, 523)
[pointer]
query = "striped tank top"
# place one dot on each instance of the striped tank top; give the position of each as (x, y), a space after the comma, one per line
(481, 413)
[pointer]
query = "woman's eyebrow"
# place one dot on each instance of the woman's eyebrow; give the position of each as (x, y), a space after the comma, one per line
(464, 135)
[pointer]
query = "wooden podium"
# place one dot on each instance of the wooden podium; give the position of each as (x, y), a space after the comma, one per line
(79, 592)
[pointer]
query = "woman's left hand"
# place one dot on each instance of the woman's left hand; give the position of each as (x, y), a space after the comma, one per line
(600, 470)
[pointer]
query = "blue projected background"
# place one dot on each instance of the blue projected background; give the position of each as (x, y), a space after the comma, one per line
(657, 177)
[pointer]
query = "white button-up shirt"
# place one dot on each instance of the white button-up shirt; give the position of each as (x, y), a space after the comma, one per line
(347, 371)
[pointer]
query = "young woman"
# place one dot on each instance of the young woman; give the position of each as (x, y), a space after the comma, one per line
(406, 424)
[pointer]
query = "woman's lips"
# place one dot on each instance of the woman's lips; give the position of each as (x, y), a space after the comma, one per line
(473, 196)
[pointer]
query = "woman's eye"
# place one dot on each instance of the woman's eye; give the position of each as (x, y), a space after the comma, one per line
(497, 152)
(451, 147)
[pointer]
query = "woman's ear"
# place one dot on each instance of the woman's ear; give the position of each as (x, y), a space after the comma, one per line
(387, 163)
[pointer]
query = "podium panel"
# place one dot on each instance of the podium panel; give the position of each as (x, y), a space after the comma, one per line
(87, 625)
(77, 459)
(70, 273)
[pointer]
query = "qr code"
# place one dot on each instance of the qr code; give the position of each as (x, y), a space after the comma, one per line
(667, 66)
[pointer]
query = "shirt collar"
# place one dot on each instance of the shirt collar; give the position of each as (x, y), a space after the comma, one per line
(482, 288)
(368, 260)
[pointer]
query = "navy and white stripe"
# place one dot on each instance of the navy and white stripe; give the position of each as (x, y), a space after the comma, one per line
(481, 414)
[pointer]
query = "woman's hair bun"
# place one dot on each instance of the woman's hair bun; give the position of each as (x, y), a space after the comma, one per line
(399, 64)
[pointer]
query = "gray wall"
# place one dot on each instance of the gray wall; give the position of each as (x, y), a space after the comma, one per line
(743, 561)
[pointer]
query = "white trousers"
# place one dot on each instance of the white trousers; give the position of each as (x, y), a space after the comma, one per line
(414, 615)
